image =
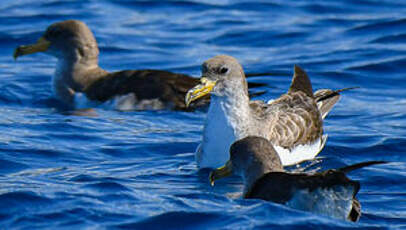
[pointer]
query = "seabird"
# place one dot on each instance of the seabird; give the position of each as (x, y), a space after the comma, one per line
(329, 192)
(78, 74)
(293, 122)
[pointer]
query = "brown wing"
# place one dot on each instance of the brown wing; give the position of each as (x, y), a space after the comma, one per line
(264, 188)
(169, 88)
(274, 186)
(279, 187)
(293, 119)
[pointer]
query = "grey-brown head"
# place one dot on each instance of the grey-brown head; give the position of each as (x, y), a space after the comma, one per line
(250, 158)
(218, 73)
(66, 39)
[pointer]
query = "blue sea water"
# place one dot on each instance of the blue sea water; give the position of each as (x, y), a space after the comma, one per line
(136, 170)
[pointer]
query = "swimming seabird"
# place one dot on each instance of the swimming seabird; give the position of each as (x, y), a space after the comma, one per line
(329, 192)
(293, 122)
(78, 73)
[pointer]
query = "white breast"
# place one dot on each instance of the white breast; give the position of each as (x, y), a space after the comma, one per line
(218, 135)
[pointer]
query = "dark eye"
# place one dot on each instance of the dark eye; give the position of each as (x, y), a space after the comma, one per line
(223, 70)
(204, 68)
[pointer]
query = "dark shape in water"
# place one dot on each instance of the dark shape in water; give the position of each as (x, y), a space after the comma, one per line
(329, 192)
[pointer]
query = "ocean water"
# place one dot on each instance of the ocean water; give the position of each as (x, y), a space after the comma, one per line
(136, 170)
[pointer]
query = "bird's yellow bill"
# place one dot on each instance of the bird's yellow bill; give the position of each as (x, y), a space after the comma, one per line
(42, 45)
(221, 172)
(202, 89)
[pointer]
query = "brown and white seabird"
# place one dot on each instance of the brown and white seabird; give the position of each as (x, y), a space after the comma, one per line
(78, 73)
(329, 192)
(293, 122)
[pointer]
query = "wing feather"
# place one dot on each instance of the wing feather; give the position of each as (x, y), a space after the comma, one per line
(293, 119)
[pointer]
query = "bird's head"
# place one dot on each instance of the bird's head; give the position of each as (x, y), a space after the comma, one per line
(70, 38)
(250, 158)
(218, 74)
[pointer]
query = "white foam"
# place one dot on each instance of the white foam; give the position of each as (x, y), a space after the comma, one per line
(82, 102)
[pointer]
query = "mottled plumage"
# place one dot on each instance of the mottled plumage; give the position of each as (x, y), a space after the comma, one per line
(329, 192)
(293, 122)
(293, 119)
(75, 47)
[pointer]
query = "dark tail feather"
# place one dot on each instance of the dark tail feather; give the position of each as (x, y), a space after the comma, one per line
(334, 93)
(255, 85)
(327, 98)
(256, 94)
(301, 82)
(359, 165)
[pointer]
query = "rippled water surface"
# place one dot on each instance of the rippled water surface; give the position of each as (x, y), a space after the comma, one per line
(137, 170)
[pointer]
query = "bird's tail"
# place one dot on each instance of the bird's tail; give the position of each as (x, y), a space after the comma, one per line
(327, 98)
(332, 93)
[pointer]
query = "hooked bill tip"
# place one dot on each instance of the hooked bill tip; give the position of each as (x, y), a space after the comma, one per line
(211, 179)
(16, 53)
(187, 99)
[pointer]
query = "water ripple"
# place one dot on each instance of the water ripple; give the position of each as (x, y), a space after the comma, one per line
(136, 170)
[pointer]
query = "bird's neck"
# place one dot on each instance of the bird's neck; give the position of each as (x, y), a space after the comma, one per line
(73, 74)
(257, 169)
(251, 175)
(226, 122)
(234, 106)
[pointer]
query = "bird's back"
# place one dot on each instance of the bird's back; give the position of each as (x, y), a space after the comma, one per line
(170, 88)
(329, 193)
(293, 119)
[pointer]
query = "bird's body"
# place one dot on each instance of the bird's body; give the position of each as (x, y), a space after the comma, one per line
(78, 77)
(165, 88)
(329, 192)
(293, 122)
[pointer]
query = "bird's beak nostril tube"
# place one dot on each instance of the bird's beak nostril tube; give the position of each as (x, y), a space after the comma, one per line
(202, 89)
(221, 172)
(42, 45)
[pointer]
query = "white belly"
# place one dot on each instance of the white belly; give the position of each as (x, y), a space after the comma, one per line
(301, 152)
(127, 102)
